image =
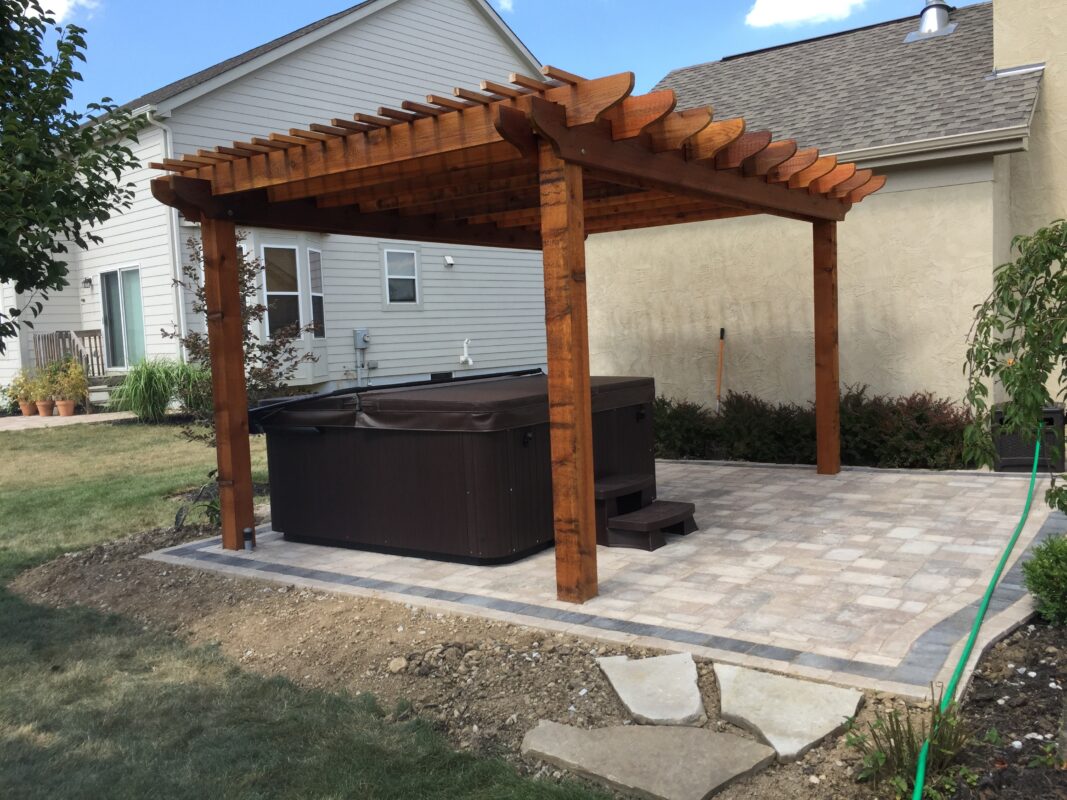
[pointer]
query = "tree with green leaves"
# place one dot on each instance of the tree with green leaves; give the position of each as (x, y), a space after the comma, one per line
(1019, 343)
(61, 170)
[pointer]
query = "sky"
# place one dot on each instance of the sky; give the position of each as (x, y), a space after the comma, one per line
(137, 46)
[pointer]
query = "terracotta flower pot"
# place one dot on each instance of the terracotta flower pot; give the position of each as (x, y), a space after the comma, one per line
(28, 409)
(46, 407)
(66, 408)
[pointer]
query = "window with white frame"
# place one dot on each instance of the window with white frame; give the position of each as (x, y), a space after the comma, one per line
(401, 277)
(282, 285)
(318, 311)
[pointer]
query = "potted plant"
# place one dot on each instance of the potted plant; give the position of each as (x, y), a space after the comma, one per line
(43, 387)
(71, 387)
(21, 391)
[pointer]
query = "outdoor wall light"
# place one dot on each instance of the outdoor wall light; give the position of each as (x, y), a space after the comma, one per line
(87, 282)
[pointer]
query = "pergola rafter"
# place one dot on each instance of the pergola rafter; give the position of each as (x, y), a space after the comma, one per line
(539, 163)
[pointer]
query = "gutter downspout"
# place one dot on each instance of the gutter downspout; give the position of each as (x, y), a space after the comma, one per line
(172, 230)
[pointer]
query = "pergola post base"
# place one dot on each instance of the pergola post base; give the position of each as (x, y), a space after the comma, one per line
(570, 407)
(225, 328)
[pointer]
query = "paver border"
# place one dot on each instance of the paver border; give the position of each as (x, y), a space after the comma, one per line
(921, 666)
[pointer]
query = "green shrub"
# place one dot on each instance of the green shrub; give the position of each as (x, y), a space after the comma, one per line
(70, 382)
(192, 388)
(683, 429)
(1045, 573)
(147, 390)
(892, 742)
(920, 431)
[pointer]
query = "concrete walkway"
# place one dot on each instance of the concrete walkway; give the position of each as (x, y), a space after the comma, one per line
(56, 421)
(868, 579)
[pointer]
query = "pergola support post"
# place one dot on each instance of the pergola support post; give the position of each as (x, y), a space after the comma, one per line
(570, 412)
(827, 370)
(225, 326)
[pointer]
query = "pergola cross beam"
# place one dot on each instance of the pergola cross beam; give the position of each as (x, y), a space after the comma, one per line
(533, 164)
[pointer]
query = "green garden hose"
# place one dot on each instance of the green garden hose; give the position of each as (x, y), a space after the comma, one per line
(950, 690)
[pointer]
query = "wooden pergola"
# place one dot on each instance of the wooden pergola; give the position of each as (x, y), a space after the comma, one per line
(539, 163)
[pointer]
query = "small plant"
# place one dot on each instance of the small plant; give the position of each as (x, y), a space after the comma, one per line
(206, 501)
(192, 388)
(21, 389)
(891, 745)
(1045, 573)
(147, 390)
(45, 382)
(1048, 757)
(70, 382)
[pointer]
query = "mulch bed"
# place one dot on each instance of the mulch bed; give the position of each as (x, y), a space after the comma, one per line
(1015, 705)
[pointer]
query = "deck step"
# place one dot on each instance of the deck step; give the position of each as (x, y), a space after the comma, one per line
(618, 485)
(659, 515)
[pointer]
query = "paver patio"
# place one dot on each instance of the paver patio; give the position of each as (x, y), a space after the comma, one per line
(868, 578)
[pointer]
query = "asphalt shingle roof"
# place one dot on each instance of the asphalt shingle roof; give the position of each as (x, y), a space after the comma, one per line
(867, 87)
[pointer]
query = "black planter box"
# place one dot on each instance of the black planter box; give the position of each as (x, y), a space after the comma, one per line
(1014, 454)
(455, 471)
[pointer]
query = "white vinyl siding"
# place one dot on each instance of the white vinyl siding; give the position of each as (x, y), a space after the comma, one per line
(139, 235)
(401, 52)
(492, 296)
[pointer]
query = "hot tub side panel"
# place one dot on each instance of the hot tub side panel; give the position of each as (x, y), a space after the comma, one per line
(471, 496)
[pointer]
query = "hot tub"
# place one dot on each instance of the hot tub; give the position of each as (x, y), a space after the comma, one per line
(457, 471)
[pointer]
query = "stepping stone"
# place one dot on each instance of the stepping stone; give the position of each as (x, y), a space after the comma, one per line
(791, 715)
(657, 691)
(661, 763)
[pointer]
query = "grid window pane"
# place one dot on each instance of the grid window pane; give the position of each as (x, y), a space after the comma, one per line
(402, 290)
(318, 317)
(280, 266)
(315, 263)
(283, 311)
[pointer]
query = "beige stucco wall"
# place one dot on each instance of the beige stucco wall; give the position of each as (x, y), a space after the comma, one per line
(913, 261)
(1028, 32)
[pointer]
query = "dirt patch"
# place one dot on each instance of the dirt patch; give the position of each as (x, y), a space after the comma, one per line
(483, 683)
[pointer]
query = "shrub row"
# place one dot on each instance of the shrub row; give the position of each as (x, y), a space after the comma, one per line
(919, 432)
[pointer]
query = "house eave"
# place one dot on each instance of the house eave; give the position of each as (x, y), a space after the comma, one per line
(993, 142)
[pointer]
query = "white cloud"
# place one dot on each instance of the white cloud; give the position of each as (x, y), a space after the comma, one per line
(63, 9)
(507, 5)
(765, 13)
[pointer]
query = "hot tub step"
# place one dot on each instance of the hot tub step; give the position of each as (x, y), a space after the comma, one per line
(619, 485)
(645, 528)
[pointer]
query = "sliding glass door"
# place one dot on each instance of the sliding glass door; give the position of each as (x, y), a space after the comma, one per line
(123, 317)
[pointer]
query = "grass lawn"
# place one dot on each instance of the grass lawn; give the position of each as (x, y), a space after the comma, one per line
(94, 706)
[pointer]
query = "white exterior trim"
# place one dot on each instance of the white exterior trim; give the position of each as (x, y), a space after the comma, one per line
(1003, 140)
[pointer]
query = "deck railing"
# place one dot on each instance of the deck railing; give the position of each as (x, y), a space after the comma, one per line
(85, 346)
